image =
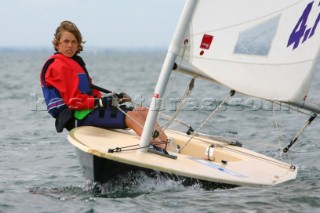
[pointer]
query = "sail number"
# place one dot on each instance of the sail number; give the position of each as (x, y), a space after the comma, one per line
(300, 31)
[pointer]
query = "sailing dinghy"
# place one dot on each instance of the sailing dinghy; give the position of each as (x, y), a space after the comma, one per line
(266, 49)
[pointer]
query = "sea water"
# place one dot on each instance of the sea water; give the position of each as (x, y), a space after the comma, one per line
(39, 170)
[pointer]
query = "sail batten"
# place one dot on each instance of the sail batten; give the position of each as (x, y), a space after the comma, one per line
(266, 49)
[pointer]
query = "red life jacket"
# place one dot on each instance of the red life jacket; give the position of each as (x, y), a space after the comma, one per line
(66, 84)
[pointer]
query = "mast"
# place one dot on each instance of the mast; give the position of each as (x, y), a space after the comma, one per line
(167, 66)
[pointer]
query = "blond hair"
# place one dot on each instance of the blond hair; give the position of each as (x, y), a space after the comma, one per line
(69, 27)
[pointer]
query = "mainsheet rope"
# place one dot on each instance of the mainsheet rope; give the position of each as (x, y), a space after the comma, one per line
(186, 94)
(231, 93)
(278, 132)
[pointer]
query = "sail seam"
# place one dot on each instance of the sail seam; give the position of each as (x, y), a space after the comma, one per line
(263, 64)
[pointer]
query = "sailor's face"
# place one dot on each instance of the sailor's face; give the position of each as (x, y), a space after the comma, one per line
(68, 44)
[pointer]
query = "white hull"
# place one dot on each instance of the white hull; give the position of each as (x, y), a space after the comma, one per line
(227, 164)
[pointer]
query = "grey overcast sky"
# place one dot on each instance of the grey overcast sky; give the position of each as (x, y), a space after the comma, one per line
(103, 23)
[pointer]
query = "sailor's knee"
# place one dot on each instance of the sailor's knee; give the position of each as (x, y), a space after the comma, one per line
(141, 109)
(135, 114)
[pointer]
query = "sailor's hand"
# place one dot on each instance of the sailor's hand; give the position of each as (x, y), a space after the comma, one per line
(123, 97)
(103, 102)
(107, 101)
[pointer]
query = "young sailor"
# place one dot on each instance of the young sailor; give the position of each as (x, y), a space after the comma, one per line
(71, 97)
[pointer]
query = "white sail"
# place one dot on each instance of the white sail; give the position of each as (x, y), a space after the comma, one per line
(262, 48)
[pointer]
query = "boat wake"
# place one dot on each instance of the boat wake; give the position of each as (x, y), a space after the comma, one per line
(130, 185)
(135, 184)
